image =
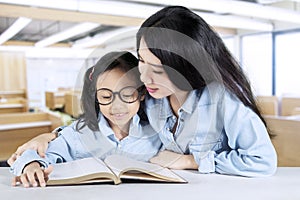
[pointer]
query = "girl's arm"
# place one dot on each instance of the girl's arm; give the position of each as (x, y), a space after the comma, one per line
(64, 148)
(33, 175)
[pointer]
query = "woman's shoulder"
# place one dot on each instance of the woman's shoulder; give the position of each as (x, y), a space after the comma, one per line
(212, 93)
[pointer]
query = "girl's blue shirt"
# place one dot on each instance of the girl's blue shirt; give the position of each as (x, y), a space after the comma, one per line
(142, 143)
(222, 134)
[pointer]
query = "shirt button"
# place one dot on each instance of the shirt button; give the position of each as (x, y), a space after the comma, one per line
(182, 120)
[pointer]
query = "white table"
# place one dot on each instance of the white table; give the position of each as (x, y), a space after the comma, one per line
(284, 185)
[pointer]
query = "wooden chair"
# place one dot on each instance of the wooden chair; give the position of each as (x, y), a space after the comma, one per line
(55, 100)
(268, 105)
(296, 111)
(286, 140)
(288, 104)
(72, 104)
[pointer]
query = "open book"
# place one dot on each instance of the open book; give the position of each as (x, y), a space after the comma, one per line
(114, 168)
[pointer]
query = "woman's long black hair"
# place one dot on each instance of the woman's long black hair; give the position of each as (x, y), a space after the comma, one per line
(193, 53)
(122, 60)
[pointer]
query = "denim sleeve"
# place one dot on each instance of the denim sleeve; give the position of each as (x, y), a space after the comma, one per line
(205, 161)
(61, 149)
(27, 157)
(251, 152)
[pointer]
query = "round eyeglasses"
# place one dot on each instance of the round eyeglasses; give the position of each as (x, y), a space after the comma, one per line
(128, 94)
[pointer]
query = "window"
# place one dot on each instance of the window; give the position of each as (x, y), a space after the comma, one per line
(287, 63)
(256, 56)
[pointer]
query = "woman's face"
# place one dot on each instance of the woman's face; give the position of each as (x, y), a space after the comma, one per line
(117, 112)
(153, 74)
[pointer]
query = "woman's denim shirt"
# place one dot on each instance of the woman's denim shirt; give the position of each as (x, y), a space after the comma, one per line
(222, 134)
(142, 143)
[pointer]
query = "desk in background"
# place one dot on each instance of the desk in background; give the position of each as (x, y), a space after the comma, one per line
(55, 100)
(283, 185)
(18, 128)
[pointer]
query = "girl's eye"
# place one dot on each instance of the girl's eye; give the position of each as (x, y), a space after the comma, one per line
(106, 97)
(127, 95)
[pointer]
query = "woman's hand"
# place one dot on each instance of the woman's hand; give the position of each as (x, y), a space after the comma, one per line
(174, 160)
(38, 143)
(33, 175)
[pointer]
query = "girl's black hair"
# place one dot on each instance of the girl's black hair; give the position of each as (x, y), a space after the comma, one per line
(193, 55)
(122, 60)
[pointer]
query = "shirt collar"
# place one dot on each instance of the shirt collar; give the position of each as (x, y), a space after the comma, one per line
(134, 128)
(104, 126)
(191, 101)
(106, 130)
(188, 106)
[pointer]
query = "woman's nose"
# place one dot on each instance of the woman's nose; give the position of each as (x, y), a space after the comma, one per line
(145, 75)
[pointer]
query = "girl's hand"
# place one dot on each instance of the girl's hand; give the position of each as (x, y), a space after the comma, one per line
(33, 175)
(38, 143)
(174, 160)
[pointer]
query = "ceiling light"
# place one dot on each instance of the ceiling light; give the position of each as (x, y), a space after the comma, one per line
(16, 27)
(104, 38)
(51, 52)
(143, 11)
(230, 21)
(234, 7)
(75, 30)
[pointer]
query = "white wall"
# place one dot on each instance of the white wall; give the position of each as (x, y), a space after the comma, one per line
(50, 74)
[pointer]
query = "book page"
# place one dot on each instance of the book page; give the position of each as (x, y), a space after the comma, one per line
(130, 167)
(79, 170)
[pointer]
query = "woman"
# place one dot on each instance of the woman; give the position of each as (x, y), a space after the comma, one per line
(202, 102)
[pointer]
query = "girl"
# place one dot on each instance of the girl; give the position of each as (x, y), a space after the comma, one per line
(202, 102)
(112, 123)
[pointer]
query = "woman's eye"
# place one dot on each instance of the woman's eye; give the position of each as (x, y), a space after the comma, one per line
(141, 60)
(158, 72)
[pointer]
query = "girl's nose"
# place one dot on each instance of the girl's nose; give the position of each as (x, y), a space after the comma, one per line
(117, 104)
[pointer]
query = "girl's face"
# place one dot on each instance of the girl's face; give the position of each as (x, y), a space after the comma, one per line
(117, 112)
(153, 74)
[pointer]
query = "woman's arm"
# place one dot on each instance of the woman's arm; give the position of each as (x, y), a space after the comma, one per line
(174, 160)
(250, 151)
(38, 143)
(241, 145)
